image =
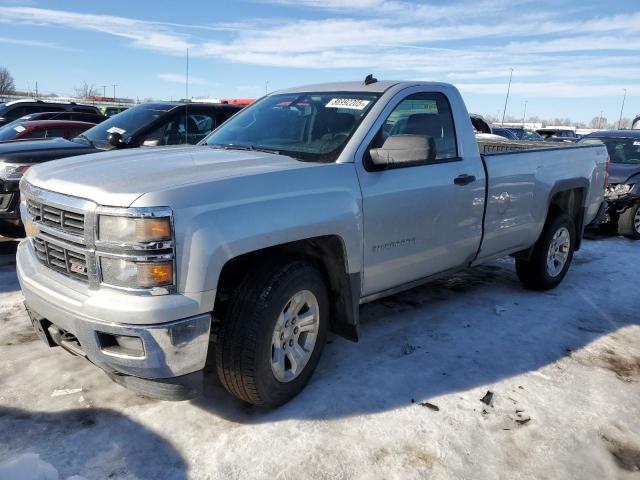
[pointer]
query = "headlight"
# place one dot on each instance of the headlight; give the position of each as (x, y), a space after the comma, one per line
(13, 171)
(618, 190)
(131, 274)
(133, 230)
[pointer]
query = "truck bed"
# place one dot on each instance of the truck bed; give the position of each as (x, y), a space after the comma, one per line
(488, 147)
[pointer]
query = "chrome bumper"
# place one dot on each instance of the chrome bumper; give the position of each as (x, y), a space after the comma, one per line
(169, 348)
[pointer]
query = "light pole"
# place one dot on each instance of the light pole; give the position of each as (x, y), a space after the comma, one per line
(507, 99)
(600, 119)
(114, 92)
(525, 112)
(624, 97)
(104, 91)
(266, 87)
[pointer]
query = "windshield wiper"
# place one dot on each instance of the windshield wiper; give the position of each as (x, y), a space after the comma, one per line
(253, 148)
(87, 139)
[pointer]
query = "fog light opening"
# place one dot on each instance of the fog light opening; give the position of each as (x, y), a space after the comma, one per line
(124, 345)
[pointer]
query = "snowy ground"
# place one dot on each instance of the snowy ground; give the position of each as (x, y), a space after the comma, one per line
(563, 366)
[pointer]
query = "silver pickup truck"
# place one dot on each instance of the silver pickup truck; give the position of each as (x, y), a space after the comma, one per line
(271, 232)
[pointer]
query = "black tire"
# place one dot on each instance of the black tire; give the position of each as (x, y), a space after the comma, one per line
(11, 230)
(244, 347)
(534, 273)
(629, 222)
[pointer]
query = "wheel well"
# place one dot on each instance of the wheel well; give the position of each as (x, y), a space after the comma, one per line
(326, 253)
(571, 202)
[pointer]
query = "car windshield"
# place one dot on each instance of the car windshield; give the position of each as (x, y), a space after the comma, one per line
(306, 126)
(125, 123)
(621, 150)
(9, 132)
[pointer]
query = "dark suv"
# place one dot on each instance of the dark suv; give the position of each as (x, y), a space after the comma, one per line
(11, 111)
(146, 125)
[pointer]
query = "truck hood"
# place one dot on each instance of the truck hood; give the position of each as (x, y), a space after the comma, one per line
(35, 151)
(621, 172)
(118, 178)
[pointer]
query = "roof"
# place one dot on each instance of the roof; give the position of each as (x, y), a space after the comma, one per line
(615, 133)
(56, 123)
(376, 87)
(36, 100)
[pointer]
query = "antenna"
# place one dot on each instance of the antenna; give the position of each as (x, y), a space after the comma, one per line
(369, 79)
(186, 106)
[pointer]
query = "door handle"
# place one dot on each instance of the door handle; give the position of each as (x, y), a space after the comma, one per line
(464, 179)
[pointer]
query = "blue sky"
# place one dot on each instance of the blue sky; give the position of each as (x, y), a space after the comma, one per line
(570, 59)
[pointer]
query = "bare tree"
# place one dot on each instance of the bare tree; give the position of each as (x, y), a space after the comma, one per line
(86, 91)
(6, 82)
(598, 122)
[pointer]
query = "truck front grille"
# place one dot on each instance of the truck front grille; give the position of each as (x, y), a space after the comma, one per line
(65, 220)
(60, 259)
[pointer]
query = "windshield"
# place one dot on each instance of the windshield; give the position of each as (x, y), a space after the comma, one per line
(621, 150)
(306, 126)
(9, 132)
(125, 123)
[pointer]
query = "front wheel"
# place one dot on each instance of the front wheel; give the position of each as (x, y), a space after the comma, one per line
(629, 222)
(552, 255)
(274, 331)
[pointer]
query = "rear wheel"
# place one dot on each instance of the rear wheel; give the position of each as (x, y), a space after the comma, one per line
(274, 331)
(551, 256)
(629, 222)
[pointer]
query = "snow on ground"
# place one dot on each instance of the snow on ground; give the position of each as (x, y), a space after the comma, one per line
(563, 366)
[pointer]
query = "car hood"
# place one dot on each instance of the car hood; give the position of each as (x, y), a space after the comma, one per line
(118, 178)
(621, 172)
(35, 151)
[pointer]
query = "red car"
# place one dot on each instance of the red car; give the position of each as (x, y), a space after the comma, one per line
(43, 129)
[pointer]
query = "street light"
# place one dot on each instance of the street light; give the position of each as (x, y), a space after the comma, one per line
(525, 112)
(507, 99)
(624, 97)
(114, 92)
(104, 91)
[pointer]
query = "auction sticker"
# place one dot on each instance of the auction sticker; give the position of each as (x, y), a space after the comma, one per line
(19, 128)
(116, 130)
(352, 103)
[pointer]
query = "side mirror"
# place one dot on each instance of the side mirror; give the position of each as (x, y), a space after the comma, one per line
(151, 143)
(115, 139)
(404, 150)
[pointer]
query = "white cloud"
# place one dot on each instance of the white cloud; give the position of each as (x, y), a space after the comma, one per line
(33, 43)
(180, 78)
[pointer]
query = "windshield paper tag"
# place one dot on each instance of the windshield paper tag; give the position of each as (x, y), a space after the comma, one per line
(352, 103)
(116, 130)
(636, 144)
(19, 128)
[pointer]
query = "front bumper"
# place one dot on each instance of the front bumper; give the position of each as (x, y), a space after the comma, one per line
(170, 348)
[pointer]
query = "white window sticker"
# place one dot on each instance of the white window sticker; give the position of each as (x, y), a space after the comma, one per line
(431, 107)
(637, 144)
(116, 130)
(352, 103)
(19, 128)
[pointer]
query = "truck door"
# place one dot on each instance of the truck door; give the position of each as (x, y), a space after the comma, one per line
(426, 217)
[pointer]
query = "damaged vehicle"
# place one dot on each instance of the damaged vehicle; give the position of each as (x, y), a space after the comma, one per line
(623, 189)
(251, 246)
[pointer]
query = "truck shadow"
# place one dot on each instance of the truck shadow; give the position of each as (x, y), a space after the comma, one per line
(68, 441)
(470, 330)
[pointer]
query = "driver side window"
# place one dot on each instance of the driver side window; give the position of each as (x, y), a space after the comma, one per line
(424, 114)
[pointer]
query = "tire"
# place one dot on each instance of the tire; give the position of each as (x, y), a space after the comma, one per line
(629, 222)
(259, 308)
(11, 230)
(540, 272)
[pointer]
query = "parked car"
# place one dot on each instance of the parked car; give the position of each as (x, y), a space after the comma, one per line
(151, 124)
(623, 190)
(504, 132)
(635, 125)
(558, 134)
(36, 129)
(526, 134)
(13, 110)
(275, 229)
(94, 118)
(111, 111)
